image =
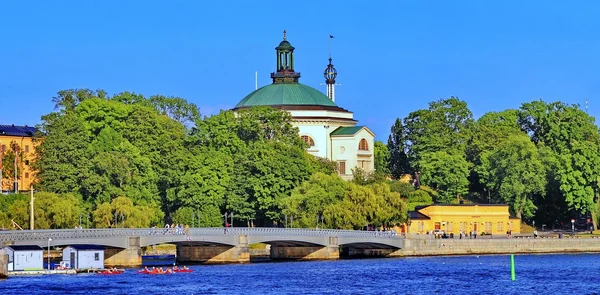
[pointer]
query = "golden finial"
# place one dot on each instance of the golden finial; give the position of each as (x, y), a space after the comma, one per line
(284, 36)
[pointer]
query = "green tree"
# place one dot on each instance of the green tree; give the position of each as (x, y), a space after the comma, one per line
(61, 159)
(121, 212)
(444, 126)
(516, 172)
(312, 197)
(573, 138)
(418, 198)
(489, 131)
(382, 158)
(446, 173)
(56, 211)
(398, 163)
(401, 187)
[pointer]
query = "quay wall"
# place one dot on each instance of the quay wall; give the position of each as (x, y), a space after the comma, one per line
(433, 247)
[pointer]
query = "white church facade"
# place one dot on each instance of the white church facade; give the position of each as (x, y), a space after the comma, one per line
(330, 131)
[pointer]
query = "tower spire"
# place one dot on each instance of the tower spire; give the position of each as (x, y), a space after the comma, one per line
(330, 74)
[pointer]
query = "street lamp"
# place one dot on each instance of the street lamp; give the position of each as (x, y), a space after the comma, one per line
(572, 226)
(49, 240)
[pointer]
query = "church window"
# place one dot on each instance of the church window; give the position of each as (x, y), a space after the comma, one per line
(363, 145)
(341, 167)
(308, 140)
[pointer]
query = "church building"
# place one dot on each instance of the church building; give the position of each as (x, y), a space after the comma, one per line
(330, 130)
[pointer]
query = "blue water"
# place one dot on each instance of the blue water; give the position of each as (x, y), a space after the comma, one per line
(536, 274)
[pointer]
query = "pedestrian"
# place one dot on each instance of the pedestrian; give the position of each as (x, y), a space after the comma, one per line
(474, 234)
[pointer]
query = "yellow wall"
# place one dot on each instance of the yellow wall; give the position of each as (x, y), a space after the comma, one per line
(27, 175)
(489, 219)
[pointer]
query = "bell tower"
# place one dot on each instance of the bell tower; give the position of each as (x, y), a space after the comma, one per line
(285, 63)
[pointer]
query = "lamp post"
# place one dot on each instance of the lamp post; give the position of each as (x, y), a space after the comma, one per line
(49, 240)
(572, 226)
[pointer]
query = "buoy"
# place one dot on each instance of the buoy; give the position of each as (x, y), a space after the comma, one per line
(512, 267)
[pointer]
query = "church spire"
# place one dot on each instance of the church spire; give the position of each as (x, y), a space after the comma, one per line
(285, 63)
(330, 74)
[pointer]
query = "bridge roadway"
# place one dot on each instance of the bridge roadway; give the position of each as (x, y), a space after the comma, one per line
(215, 245)
(118, 238)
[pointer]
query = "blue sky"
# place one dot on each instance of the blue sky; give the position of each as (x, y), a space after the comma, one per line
(393, 57)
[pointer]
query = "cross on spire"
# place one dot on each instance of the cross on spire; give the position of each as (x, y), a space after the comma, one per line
(284, 35)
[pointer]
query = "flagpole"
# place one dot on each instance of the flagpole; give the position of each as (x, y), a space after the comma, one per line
(330, 37)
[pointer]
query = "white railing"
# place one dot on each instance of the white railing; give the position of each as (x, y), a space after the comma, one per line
(28, 235)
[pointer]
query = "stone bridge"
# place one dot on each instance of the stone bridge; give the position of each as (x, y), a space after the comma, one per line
(215, 245)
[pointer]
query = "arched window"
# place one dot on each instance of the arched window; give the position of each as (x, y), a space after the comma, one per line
(363, 145)
(308, 140)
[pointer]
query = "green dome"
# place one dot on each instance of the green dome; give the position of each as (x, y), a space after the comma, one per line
(285, 94)
(285, 45)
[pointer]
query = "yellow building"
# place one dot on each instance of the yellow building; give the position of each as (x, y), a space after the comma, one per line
(19, 138)
(454, 218)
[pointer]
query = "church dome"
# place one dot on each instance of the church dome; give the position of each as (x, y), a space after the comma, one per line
(285, 45)
(285, 94)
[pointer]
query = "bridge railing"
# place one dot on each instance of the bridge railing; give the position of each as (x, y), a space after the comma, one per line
(28, 235)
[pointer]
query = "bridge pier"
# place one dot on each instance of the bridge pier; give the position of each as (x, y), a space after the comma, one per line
(213, 254)
(330, 252)
(128, 257)
(3, 265)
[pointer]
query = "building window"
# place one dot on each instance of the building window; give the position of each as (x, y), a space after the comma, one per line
(341, 165)
(3, 148)
(26, 174)
(450, 227)
(308, 140)
(27, 149)
(97, 256)
(27, 162)
(488, 227)
(363, 145)
(500, 226)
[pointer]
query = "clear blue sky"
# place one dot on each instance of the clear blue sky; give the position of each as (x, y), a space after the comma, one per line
(393, 57)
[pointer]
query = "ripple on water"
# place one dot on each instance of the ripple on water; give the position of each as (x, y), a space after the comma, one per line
(550, 274)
